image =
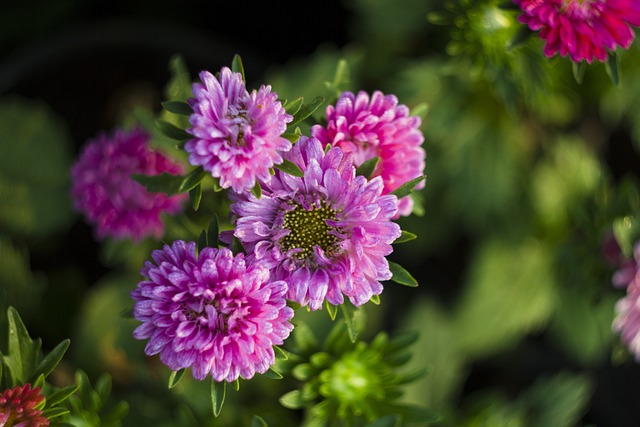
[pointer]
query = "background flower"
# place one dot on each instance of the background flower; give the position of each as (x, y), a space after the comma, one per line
(377, 127)
(237, 133)
(104, 191)
(581, 29)
(213, 312)
(326, 233)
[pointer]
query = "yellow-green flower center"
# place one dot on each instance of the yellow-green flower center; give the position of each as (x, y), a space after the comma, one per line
(308, 228)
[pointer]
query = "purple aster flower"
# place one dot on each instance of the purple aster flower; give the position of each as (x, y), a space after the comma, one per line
(17, 407)
(581, 29)
(237, 134)
(326, 234)
(377, 127)
(110, 199)
(214, 312)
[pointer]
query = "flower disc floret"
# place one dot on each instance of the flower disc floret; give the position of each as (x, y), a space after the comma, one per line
(326, 233)
(18, 407)
(236, 134)
(377, 126)
(581, 29)
(213, 312)
(104, 190)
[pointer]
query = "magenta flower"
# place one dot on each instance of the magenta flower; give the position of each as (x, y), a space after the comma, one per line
(581, 29)
(326, 234)
(17, 407)
(214, 312)
(237, 134)
(377, 127)
(110, 199)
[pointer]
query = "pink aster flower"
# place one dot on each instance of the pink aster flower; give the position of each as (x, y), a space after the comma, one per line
(18, 407)
(627, 319)
(377, 127)
(237, 134)
(326, 234)
(581, 29)
(110, 199)
(213, 312)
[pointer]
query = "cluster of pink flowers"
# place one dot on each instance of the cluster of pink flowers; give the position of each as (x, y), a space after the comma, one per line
(322, 236)
(581, 29)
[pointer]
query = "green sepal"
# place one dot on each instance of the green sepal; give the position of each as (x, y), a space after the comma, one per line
(175, 377)
(367, 168)
(273, 374)
(306, 110)
(578, 69)
(280, 353)
(612, 67)
(406, 188)
(195, 196)
(291, 136)
(237, 67)
(332, 310)
(177, 107)
(172, 131)
(402, 276)
(218, 393)
(236, 384)
(257, 190)
(49, 363)
(257, 421)
(375, 299)
(406, 236)
(289, 167)
(292, 400)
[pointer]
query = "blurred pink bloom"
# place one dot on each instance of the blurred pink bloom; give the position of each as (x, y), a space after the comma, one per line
(104, 191)
(582, 29)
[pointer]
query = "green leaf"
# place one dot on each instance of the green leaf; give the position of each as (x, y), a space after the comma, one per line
(289, 167)
(172, 131)
(405, 237)
(406, 188)
(291, 136)
(353, 318)
(178, 107)
(192, 179)
(521, 36)
(306, 110)
(257, 190)
(175, 377)
(212, 231)
(421, 110)
(237, 246)
(332, 310)
(103, 387)
(578, 69)
(280, 353)
(402, 276)
(237, 67)
(61, 395)
(294, 106)
(612, 67)
(218, 393)
(257, 421)
(49, 363)
(195, 196)
(58, 411)
(375, 299)
(202, 241)
(273, 374)
(163, 183)
(23, 352)
(367, 168)
(292, 400)
(179, 86)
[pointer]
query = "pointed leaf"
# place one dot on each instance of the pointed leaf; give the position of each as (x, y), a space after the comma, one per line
(212, 231)
(367, 168)
(257, 421)
(306, 110)
(405, 237)
(257, 190)
(237, 246)
(375, 299)
(202, 241)
(172, 131)
(406, 188)
(612, 67)
(195, 196)
(61, 395)
(280, 353)
(55, 412)
(192, 179)
(175, 377)
(402, 276)
(178, 107)
(294, 106)
(353, 318)
(22, 350)
(49, 363)
(237, 67)
(332, 310)
(218, 393)
(289, 167)
(578, 71)
(273, 374)
(163, 183)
